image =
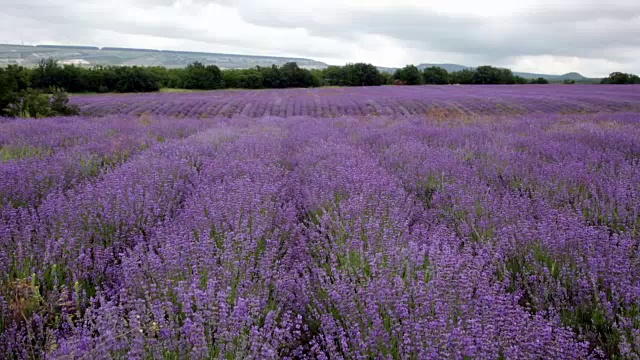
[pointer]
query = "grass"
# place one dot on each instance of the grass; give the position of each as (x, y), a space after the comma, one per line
(175, 90)
(13, 152)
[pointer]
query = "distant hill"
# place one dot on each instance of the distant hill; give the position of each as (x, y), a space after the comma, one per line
(568, 76)
(456, 67)
(89, 56)
(448, 67)
(92, 55)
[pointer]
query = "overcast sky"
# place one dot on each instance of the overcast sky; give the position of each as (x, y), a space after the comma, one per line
(594, 38)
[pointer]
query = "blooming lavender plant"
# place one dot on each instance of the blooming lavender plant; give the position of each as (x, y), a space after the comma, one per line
(386, 101)
(453, 229)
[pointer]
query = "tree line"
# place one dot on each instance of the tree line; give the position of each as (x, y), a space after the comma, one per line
(619, 78)
(23, 94)
(40, 91)
(482, 75)
(103, 79)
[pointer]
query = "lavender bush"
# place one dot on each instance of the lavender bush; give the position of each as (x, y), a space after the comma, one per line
(433, 101)
(423, 236)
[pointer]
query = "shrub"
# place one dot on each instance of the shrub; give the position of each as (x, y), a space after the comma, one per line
(34, 103)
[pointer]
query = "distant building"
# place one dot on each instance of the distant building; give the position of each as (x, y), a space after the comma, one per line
(75, 62)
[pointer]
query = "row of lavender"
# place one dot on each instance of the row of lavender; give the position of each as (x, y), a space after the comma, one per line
(40, 157)
(379, 101)
(330, 238)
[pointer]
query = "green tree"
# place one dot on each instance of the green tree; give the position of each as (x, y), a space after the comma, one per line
(318, 77)
(13, 80)
(540, 80)
(59, 102)
(29, 103)
(272, 78)
(435, 76)
(520, 80)
(199, 76)
(231, 78)
(287, 75)
(243, 79)
(491, 75)
(294, 76)
(73, 78)
(621, 78)
(47, 74)
(464, 76)
(161, 74)
(35, 103)
(361, 74)
(409, 75)
(387, 78)
(135, 79)
(250, 79)
(174, 78)
(335, 76)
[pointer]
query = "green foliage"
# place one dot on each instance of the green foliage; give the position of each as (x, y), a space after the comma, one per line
(361, 74)
(9, 152)
(540, 80)
(47, 74)
(536, 273)
(482, 75)
(620, 78)
(59, 102)
(15, 80)
(386, 78)
(166, 78)
(29, 103)
(199, 76)
(231, 78)
(274, 77)
(293, 76)
(34, 103)
(271, 77)
(520, 80)
(334, 76)
(318, 77)
(462, 77)
(435, 76)
(135, 79)
(243, 79)
(491, 75)
(408, 75)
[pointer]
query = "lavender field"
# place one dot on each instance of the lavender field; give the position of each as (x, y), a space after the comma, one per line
(365, 223)
(433, 101)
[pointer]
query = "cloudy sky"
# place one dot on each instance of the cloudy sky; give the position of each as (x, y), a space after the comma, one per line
(591, 37)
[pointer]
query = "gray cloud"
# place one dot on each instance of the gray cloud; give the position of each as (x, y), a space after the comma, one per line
(585, 32)
(86, 17)
(606, 34)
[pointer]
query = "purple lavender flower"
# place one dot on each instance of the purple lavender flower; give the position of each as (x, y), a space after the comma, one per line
(405, 223)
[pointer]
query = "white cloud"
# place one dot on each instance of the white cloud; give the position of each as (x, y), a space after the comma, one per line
(578, 35)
